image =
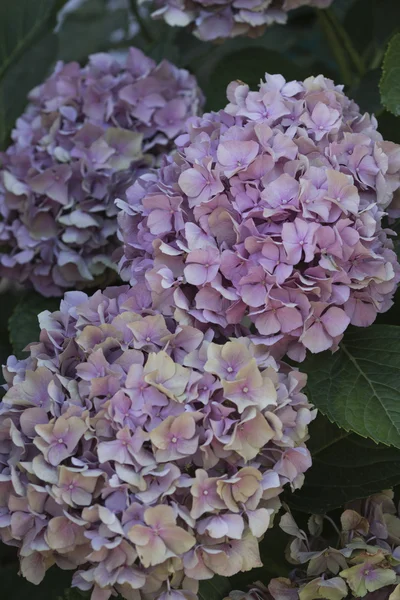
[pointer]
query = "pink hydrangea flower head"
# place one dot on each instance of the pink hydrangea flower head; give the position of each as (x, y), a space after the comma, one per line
(216, 19)
(273, 218)
(85, 136)
(141, 453)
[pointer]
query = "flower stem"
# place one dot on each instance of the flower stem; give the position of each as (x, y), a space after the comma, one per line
(336, 47)
(347, 43)
(377, 59)
(143, 27)
(335, 527)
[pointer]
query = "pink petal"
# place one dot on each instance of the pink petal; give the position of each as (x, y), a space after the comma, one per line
(316, 339)
(196, 274)
(56, 454)
(335, 321)
(159, 221)
(267, 323)
(289, 318)
(192, 182)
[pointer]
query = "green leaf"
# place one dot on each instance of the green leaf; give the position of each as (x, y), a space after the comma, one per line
(214, 589)
(389, 127)
(386, 19)
(75, 594)
(19, 81)
(390, 82)
(16, 587)
(358, 387)
(24, 325)
(90, 29)
(359, 22)
(345, 467)
(22, 22)
(27, 50)
(366, 92)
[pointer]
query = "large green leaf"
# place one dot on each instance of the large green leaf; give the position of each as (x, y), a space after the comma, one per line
(359, 23)
(366, 92)
(29, 70)
(386, 19)
(345, 467)
(214, 589)
(22, 22)
(23, 324)
(27, 49)
(390, 82)
(16, 587)
(90, 28)
(389, 126)
(358, 387)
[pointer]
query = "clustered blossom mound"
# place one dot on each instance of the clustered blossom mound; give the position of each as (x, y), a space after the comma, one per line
(363, 563)
(269, 214)
(85, 135)
(140, 452)
(218, 19)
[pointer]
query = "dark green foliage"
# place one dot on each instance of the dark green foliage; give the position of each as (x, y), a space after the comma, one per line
(27, 50)
(23, 324)
(390, 82)
(345, 467)
(358, 386)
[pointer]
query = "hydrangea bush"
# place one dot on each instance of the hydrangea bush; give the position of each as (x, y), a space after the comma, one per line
(140, 452)
(364, 562)
(216, 19)
(157, 440)
(270, 213)
(83, 139)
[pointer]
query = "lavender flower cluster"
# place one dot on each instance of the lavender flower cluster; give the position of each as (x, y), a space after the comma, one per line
(85, 136)
(269, 214)
(219, 19)
(363, 563)
(140, 452)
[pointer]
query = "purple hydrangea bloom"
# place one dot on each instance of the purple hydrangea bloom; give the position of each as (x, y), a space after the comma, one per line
(141, 453)
(219, 19)
(269, 218)
(85, 136)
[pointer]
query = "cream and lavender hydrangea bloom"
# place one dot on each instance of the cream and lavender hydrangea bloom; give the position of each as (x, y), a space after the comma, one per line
(267, 220)
(363, 562)
(84, 138)
(219, 19)
(141, 453)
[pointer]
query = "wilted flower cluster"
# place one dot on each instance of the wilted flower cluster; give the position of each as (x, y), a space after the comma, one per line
(363, 563)
(140, 452)
(83, 139)
(218, 19)
(269, 215)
